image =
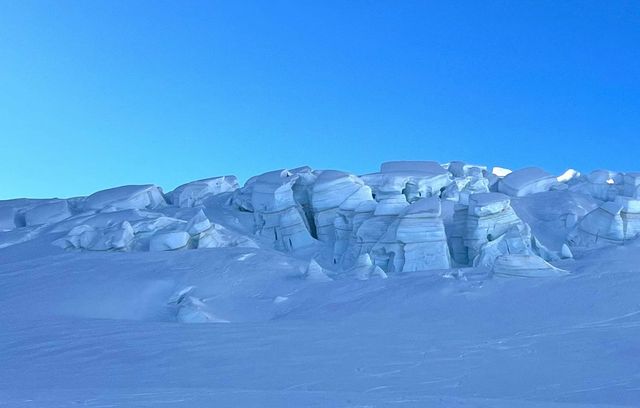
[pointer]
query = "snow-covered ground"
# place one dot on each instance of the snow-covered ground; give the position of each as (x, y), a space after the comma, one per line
(249, 297)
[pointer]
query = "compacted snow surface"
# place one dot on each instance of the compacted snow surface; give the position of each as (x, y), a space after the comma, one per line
(422, 285)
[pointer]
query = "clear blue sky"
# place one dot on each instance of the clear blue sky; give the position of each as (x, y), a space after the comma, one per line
(95, 94)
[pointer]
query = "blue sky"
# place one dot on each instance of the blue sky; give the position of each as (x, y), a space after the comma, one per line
(95, 94)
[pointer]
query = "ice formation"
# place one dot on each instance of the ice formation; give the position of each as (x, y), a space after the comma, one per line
(524, 265)
(191, 309)
(278, 217)
(117, 237)
(415, 240)
(631, 185)
(195, 193)
(500, 171)
(124, 198)
(335, 193)
(411, 180)
(217, 236)
(364, 268)
(316, 273)
(617, 218)
(615, 222)
(49, 212)
(526, 181)
(169, 240)
(409, 216)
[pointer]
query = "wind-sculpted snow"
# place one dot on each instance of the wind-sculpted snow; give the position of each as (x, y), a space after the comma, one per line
(121, 329)
(420, 285)
(47, 213)
(125, 197)
(195, 193)
(527, 181)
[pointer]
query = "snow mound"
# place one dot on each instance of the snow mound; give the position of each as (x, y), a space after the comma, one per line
(125, 198)
(316, 273)
(195, 193)
(529, 180)
(169, 241)
(47, 213)
(525, 265)
(364, 268)
(398, 183)
(190, 309)
(220, 237)
(500, 171)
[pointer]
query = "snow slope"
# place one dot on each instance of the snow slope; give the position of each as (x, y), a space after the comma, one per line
(81, 327)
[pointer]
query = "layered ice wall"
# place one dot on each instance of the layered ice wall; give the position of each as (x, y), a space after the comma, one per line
(402, 230)
(335, 193)
(278, 217)
(488, 217)
(409, 216)
(617, 219)
(413, 180)
(488, 230)
(415, 240)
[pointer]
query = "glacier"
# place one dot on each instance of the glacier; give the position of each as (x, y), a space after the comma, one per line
(418, 285)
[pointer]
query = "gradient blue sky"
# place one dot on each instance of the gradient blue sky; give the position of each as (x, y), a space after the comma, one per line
(95, 94)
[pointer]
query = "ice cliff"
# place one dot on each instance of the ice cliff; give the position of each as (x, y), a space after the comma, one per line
(409, 216)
